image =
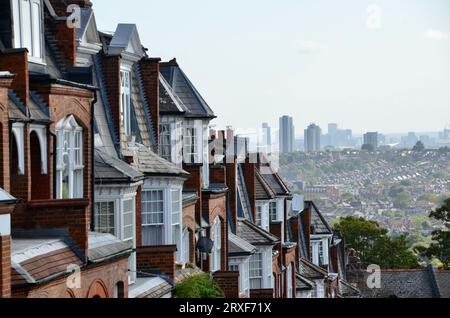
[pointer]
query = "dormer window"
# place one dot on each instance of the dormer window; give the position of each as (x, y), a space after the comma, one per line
(69, 159)
(125, 101)
(28, 31)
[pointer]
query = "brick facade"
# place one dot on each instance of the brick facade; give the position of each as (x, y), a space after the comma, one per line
(157, 259)
(5, 83)
(289, 257)
(5, 266)
(190, 224)
(261, 293)
(96, 282)
(16, 62)
(228, 282)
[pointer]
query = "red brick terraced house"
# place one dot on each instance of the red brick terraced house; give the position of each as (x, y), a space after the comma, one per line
(47, 163)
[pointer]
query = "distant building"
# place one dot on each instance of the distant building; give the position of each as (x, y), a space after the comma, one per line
(265, 139)
(312, 138)
(336, 138)
(286, 134)
(371, 138)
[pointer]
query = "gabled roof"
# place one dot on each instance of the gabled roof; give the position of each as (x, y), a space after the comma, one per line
(126, 38)
(276, 184)
(186, 91)
(88, 28)
(262, 189)
(319, 225)
(311, 271)
(254, 234)
(238, 246)
(103, 246)
(108, 170)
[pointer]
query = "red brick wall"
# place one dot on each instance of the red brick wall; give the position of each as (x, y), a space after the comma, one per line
(16, 62)
(139, 217)
(261, 293)
(99, 280)
(71, 214)
(218, 174)
(157, 258)
(5, 267)
(277, 274)
(295, 232)
(194, 183)
(40, 183)
(150, 77)
(111, 74)
(306, 222)
(216, 207)
(4, 134)
(228, 282)
(249, 178)
(290, 258)
(189, 222)
(232, 185)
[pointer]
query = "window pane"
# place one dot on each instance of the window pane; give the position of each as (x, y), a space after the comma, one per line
(104, 217)
(36, 30)
(26, 25)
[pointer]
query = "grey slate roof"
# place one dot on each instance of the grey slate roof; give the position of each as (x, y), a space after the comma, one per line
(443, 282)
(254, 234)
(189, 197)
(5, 197)
(106, 246)
(85, 16)
(302, 283)
(185, 90)
(169, 104)
(318, 222)
(403, 284)
(238, 246)
(150, 287)
(276, 184)
(108, 169)
(262, 189)
(311, 271)
(347, 290)
(150, 163)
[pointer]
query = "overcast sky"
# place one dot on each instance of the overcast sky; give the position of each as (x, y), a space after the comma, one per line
(367, 65)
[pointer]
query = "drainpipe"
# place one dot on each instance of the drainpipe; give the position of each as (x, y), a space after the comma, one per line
(94, 101)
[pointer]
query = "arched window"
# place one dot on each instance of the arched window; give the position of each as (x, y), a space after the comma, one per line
(69, 160)
(216, 236)
(119, 290)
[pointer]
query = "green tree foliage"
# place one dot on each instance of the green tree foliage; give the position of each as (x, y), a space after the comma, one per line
(419, 147)
(198, 286)
(374, 246)
(400, 197)
(440, 247)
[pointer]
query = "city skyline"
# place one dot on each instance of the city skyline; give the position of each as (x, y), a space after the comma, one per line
(342, 64)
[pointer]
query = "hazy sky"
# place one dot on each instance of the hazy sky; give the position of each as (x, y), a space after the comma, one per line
(367, 65)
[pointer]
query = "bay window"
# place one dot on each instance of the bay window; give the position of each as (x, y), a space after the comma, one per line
(176, 221)
(256, 271)
(28, 32)
(153, 217)
(216, 236)
(104, 218)
(125, 101)
(69, 159)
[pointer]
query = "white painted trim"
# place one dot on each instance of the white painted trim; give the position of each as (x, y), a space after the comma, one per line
(5, 224)
(41, 132)
(18, 132)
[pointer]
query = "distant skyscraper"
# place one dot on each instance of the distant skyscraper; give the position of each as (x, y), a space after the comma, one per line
(371, 138)
(266, 135)
(312, 138)
(332, 129)
(287, 134)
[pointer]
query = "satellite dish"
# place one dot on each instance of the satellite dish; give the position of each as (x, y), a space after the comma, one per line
(205, 245)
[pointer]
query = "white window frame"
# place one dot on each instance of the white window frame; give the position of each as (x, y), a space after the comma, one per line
(125, 100)
(29, 34)
(273, 215)
(190, 149)
(67, 132)
(165, 134)
(216, 237)
(154, 217)
(176, 214)
(242, 266)
(101, 229)
(290, 291)
(262, 215)
(18, 134)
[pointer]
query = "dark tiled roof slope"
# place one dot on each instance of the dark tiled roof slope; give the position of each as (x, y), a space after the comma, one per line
(254, 234)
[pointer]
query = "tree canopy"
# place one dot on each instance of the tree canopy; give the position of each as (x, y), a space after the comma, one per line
(374, 246)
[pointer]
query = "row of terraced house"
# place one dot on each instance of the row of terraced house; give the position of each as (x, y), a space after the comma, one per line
(113, 185)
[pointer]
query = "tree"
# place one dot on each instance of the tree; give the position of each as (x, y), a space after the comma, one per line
(373, 244)
(198, 286)
(440, 247)
(419, 147)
